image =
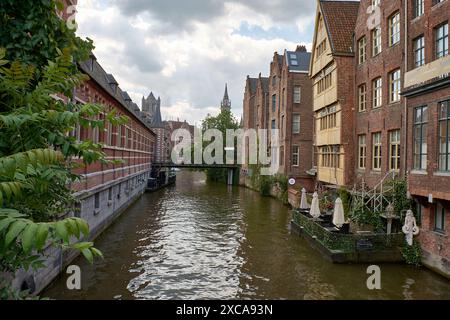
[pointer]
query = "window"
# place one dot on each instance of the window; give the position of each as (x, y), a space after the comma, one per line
(109, 134)
(394, 29)
(439, 218)
(296, 124)
(324, 83)
(394, 86)
(362, 151)
(442, 41)
(328, 118)
(394, 150)
(110, 194)
(97, 201)
(376, 153)
(419, 51)
(274, 81)
(282, 156)
(377, 85)
(437, 1)
(119, 136)
(321, 48)
(376, 41)
(295, 156)
(419, 213)
(444, 136)
(282, 127)
(362, 98)
(273, 125)
(297, 94)
(420, 138)
(330, 156)
(376, 2)
(419, 8)
(274, 103)
(362, 50)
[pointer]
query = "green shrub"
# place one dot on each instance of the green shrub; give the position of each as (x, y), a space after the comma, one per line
(412, 254)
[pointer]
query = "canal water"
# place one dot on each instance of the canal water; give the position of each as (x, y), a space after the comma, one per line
(200, 240)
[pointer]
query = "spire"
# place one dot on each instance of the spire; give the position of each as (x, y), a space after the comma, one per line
(226, 103)
(225, 96)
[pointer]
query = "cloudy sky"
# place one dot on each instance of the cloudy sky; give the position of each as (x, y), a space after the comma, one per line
(186, 50)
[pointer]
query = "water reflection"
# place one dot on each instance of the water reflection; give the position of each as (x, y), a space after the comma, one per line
(207, 241)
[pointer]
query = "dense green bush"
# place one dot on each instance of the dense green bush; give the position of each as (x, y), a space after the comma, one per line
(412, 254)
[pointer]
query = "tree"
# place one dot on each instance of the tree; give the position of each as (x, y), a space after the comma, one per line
(224, 121)
(32, 32)
(35, 145)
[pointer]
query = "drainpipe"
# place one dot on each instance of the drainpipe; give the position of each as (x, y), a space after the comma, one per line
(405, 157)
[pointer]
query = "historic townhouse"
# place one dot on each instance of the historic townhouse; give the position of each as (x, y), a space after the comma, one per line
(250, 116)
(295, 118)
(262, 102)
(290, 111)
(427, 90)
(379, 108)
(332, 73)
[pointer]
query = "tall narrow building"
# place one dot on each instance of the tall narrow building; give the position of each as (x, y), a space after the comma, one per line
(226, 102)
(332, 73)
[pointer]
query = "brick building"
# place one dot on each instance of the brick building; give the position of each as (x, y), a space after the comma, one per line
(427, 91)
(262, 102)
(171, 126)
(290, 96)
(250, 115)
(379, 107)
(332, 73)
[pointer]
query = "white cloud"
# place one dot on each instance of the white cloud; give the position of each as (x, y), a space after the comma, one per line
(187, 68)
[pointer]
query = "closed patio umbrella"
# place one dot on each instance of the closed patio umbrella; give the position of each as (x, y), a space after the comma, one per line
(315, 209)
(338, 215)
(304, 205)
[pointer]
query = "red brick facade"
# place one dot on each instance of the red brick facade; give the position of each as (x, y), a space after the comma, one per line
(388, 117)
(133, 143)
(428, 179)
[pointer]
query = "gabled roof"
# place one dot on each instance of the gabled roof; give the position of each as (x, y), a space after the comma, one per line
(340, 21)
(265, 84)
(298, 61)
(253, 83)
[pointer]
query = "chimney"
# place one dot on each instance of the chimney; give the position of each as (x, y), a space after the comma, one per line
(300, 48)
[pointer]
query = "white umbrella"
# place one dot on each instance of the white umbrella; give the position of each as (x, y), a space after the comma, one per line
(315, 210)
(304, 205)
(338, 215)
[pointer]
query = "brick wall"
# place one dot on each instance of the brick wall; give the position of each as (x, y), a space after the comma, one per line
(390, 116)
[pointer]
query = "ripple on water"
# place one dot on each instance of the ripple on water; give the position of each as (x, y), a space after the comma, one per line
(207, 241)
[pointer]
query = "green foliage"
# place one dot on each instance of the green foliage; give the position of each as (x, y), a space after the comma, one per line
(400, 199)
(223, 122)
(362, 216)
(282, 182)
(346, 198)
(412, 254)
(32, 33)
(265, 185)
(35, 147)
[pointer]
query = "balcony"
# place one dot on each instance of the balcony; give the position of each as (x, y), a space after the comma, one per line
(425, 74)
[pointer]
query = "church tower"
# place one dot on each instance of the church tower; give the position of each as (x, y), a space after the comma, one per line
(151, 107)
(226, 102)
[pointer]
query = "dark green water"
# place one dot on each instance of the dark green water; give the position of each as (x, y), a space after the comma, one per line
(210, 241)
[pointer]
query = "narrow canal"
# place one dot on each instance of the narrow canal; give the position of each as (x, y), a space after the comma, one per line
(200, 240)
